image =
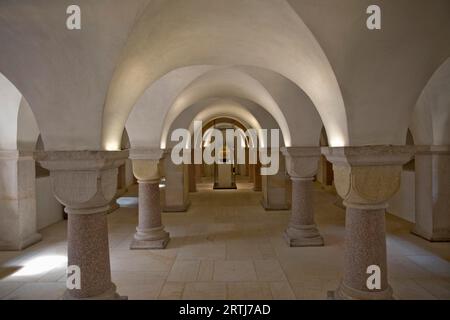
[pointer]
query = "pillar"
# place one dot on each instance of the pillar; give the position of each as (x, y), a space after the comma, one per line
(18, 221)
(432, 193)
(176, 190)
(85, 182)
(257, 180)
(192, 179)
(150, 233)
(251, 173)
(275, 189)
(302, 165)
(366, 178)
(191, 175)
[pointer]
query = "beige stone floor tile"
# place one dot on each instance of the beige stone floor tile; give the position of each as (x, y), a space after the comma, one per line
(433, 264)
(236, 270)
(408, 289)
(184, 270)
(314, 288)
(305, 262)
(142, 277)
(269, 270)
(7, 287)
(249, 291)
(143, 291)
(205, 291)
(54, 274)
(206, 271)
(196, 250)
(140, 260)
(281, 291)
(401, 267)
(309, 294)
(237, 250)
(267, 251)
(438, 287)
(398, 246)
(38, 291)
(172, 291)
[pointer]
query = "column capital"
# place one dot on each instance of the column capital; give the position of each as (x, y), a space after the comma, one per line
(84, 181)
(367, 177)
(145, 164)
(301, 162)
(146, 154)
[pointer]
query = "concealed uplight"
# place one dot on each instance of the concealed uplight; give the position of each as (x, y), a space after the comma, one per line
(112, 146)
(41, 265)
(336, 142)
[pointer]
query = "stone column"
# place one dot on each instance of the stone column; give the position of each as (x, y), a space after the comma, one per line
(301, 165)
(366, 178)
(191, 175)
(150, 233)
(251, 173)
(18, 220)
(199, 171)
(192, 179)
(176, 190)
(275, 189)
(257, 180)
(85, 182)
(432, 193)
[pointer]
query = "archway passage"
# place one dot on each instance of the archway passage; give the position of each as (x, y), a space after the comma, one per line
(229, 170)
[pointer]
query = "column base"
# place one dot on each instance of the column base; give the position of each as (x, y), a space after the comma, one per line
(303, 236)
(346, 293)
(181, 208)
(155, 238)
(110, 294)
(272, 207)
(21, 244)
(442, 236)
(220, 187)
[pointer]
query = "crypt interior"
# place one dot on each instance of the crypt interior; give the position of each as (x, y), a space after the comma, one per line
(87, 178)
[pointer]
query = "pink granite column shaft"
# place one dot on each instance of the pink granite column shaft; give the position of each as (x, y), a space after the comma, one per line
(302, 230)
(302, 209)
(365, 246)
(88, 248)
(149, 205)
(150, 233)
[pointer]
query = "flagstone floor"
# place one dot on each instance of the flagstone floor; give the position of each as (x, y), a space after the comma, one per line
(227, 247)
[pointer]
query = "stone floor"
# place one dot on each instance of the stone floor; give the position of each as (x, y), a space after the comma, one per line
(227, 247)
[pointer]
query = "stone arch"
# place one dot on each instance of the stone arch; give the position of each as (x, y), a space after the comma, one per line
(430, 123)
(225, 83)
(18, 127)
(18, 135)
(223, 35)
(260, 86)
